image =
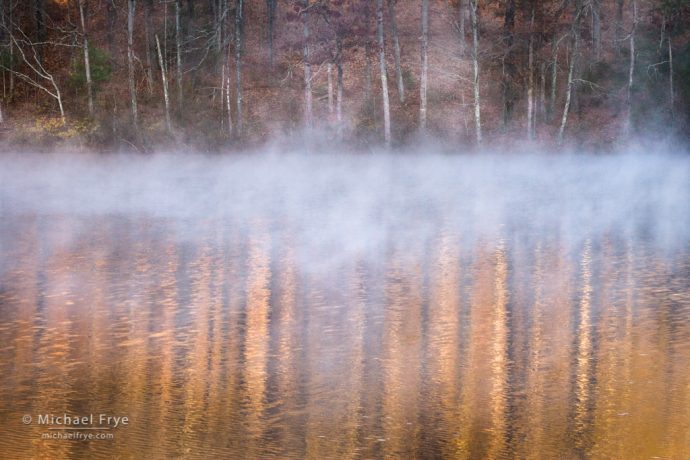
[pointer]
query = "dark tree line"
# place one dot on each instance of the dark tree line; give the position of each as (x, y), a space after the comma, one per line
(239, 65)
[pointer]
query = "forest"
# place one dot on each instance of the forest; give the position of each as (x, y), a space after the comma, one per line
(228, 74)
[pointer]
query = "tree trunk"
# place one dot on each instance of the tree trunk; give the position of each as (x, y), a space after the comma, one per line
(307, 68)
(462, 8)
(530, 81)
(339, 93)
(368, 77)
(148, 10)
(384, 75)
(475, 66)
(424, 80)
(131, 5)
(396, 50)
(10, 15)
(670, 78)
(178, 56)
(571, 71)
(271, 8)
(87, 62)
(542, 91)
(554, 79)
(509, 68)
(239, 25)
(631, 71)
(329, 68)
(228, 99)
(164, 79)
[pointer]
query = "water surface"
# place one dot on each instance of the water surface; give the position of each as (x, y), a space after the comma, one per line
(347, 307)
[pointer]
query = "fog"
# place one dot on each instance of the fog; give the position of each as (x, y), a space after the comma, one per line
(337, 205)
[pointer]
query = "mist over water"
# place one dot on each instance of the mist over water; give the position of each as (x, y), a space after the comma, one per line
(284, 305)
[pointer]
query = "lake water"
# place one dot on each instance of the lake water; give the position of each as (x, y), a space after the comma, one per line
(330, 307)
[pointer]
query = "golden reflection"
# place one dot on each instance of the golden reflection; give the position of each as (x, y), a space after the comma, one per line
(229, 344)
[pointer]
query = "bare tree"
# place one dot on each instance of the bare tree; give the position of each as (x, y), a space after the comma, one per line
(530, 81)
(37, 74)
(239, 37)
(131, 5)
(178, 56)
(631, 70)
(87, 62)
(575, 33)
(166, 97)
(307, 68)
(424, 80)
(475, 67)
(670, 77)
(384, 76)
(509, 69)
(148, 11)
(396, 50)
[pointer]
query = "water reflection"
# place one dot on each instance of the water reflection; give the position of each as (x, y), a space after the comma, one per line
(224, 345)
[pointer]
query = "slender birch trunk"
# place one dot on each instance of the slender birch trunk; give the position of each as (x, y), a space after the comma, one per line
(542, 91)
(239, 24)
(308, 103)
(571, 72)
(384, 76)
(164, 79)
(131, 5)
(396, 50)
(424, 80)
(670, 77)
(530, 81)
(475, 67)
(228, 101)
(339, 93)
(87, 62)
(178, 56)
(631, 71)
(462, 8)
(554, 79)
(329, 71)
(147, 33)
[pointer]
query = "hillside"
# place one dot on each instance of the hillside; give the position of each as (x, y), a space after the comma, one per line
(230, 85)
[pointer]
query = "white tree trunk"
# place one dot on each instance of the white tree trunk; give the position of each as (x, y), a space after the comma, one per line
(671, 91)
(384, 76)
(396, 51)
(164, 79)
(631, 71)
(130, 62)
(228, 99)
(339, 93)
(239, 24)
(87, 62)
(569, 91)
(554, 80)
(329, 68)
(308, 102)
(178, 56)
(530, 82)
(475, 67)
(424, 80)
